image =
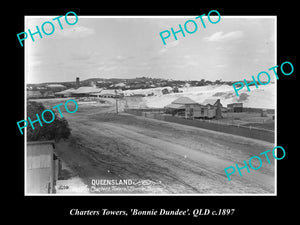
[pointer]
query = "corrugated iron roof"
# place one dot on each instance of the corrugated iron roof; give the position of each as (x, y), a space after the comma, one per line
(67, 91)
(86, 90)
(175, 106)
(184, 101)
(110, 92)
(210, 101)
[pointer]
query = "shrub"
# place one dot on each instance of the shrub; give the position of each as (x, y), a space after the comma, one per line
(58, 129)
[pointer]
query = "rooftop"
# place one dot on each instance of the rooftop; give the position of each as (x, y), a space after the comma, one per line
(175, 106)
(67, 91)
(55, 85)
(110, 92)
(86, 90)
(184, 101)
(209, 101)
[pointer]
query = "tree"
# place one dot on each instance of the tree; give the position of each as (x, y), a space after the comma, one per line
(218, 82)
(165, 91)
(201, 82)
(58, 129)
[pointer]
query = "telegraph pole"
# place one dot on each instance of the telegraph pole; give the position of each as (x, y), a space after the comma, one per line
(117, 106)
(116, 102)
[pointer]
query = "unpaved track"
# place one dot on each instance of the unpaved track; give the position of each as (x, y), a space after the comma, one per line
(184, 159)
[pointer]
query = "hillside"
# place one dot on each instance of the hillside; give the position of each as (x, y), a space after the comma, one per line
(133, 83)
(262, 97)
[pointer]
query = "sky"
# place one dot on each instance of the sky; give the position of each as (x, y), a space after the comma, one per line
(235, 48)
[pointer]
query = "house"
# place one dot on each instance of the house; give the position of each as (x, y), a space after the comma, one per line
(207, 111)
(178, 106)
(175, 109)
(188, 108)
(215, 108)
(235, 107)
(34, 94)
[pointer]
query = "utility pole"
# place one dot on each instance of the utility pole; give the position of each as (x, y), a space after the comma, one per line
(116, 102)
(117, 106)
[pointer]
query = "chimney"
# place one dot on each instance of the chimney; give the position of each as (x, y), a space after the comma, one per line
(77, 82)
(218, 110)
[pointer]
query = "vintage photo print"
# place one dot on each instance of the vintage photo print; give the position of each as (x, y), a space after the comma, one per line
(150, 105)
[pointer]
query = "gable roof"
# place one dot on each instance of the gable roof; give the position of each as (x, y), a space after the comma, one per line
(184, 101)
(212, 102)
(175, 106)
(209, 101)
(67, 91)
(110, 92)
(86, 90)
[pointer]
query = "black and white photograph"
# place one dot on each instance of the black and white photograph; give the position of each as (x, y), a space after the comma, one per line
(150, 105)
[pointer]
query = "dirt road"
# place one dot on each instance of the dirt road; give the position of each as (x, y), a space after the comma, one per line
(177, 159)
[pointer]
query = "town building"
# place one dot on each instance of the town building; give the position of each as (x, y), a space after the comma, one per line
(85, 91)
(235, 107)
(190, 109)
(110, 93)
(65, 93)
(178, 107)
(34, 94)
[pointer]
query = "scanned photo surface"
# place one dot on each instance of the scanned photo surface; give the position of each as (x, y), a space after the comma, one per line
(138, 105)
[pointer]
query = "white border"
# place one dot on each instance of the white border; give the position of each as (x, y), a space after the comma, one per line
(188, 16)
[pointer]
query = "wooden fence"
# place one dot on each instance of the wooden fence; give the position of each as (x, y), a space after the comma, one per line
(250, 132)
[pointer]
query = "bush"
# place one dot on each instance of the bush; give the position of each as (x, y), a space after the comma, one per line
(56, 130)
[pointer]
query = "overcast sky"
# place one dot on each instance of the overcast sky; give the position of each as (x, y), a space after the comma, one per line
(99, 47)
